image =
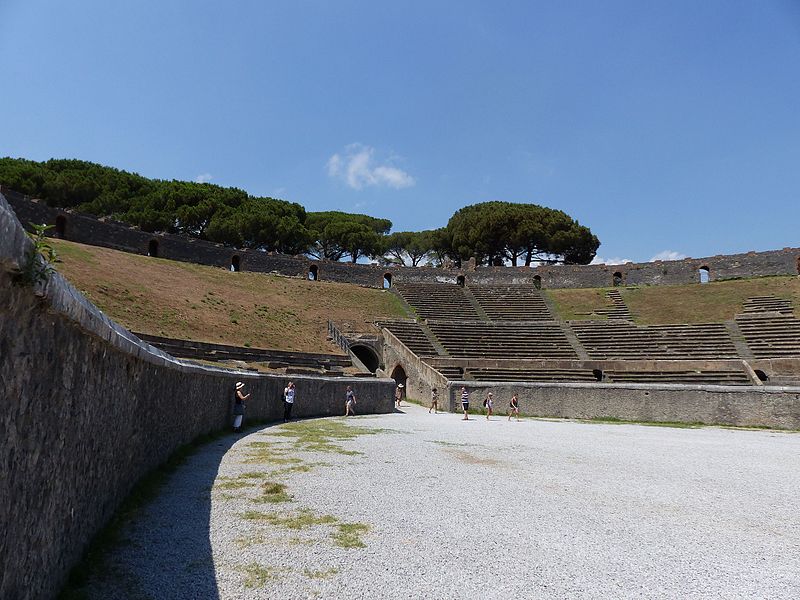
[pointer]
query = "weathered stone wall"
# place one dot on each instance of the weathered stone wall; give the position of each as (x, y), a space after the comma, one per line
(86, 229)
(87, 409)
(714, 405)
(421, 377)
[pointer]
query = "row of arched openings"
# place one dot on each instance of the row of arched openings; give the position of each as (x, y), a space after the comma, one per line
(704, 272)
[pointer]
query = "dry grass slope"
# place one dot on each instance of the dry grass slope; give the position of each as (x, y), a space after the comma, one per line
(712, 302)
(175, 299)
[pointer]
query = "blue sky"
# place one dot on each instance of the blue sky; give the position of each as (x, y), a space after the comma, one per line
(667, 126)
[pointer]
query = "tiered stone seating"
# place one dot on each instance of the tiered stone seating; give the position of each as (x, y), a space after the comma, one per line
(438, 301)
(503, 340)
(512, 302)
(760, 304)
(412, 335)
(686, 377)
(451, 373)
(623, 340)
(618, 309)
(508, 374)
(770, 335)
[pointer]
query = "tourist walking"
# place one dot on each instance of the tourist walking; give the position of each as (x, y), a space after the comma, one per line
(398, 395)
(513, 407)
(288, 401)
(434, 401)
(465, 402)
(238, 406)
(350, 402)
(488, 404)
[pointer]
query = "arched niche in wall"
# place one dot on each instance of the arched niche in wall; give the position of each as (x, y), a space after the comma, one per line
(537, 282)
(61, 227)
(704, 274)
(616, 279)
(461, 280)
(387, 280)
(761, 375)
(152, 248)
(236, 263)
(313, 272)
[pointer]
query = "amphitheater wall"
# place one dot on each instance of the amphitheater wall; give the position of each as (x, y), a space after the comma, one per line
(88, 409)
(750, 406)
(421, 376)
(87, 229)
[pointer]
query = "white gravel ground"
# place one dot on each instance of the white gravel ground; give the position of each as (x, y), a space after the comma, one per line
(530, 509)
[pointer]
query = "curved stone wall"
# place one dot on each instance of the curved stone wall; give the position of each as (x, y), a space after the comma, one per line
(88, 409)
(89, 230)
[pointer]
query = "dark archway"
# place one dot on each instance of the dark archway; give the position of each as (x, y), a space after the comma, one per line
(399, 376)
(368, 356)
(617, 279)
(152, 248)
(461, 280)
(537, 282)
(312, 272)
(798, 265)
(705, 274)
(61, 227)
(236, 263)
(598, 374)
(387, 280)
(761, 375)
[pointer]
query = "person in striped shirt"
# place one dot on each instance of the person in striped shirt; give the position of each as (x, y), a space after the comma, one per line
(465, 402)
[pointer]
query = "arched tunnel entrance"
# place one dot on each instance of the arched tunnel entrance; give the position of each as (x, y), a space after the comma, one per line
(399, 376)
(368, 356)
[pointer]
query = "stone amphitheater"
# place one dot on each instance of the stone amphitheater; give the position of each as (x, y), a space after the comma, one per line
(71, 461)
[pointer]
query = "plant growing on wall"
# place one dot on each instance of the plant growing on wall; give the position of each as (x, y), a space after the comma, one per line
(38, 265)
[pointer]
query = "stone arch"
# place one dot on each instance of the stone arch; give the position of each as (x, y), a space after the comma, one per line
(617, 279)
(704, 273)
(387, 280)
(236, 263)
(61, 227)
(152, 248)
(761, 375)
(313, 272)
(537, 282)
(598, 374)
(461, 280)
(366, 355)
(399, 376)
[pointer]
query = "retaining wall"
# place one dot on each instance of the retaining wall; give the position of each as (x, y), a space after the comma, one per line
(774, 407)
(88, 409)
(87, 229)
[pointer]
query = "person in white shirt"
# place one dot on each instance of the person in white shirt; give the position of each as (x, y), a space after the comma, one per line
(288, 401)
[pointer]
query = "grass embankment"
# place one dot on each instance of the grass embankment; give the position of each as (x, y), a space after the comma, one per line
(712, 302)
(183, 300)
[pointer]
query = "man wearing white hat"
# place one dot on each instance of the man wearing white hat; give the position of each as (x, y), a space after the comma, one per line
(398, 394)
(238, 406)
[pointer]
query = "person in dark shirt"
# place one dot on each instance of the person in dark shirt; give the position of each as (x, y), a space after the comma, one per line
(350, 402)
(238, 406)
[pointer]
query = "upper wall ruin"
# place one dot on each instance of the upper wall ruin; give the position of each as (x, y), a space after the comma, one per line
(87, 229)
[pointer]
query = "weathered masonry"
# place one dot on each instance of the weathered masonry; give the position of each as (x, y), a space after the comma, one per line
(87, 229)
(87, 409)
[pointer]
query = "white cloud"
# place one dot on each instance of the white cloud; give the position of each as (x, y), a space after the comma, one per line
(599, 260)
(356, 167)
(668, 255)
(203, 178)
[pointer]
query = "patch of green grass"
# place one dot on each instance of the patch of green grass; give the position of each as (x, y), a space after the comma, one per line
(348, 535)
(457, 444)
(72, 251)
(274, 493)
(257, 576)
(232, 484)
(322, 435)
(245, 541)
(299, 520)
(320, 574)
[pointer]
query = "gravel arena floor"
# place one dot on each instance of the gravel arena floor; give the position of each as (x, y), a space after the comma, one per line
(429, 506)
